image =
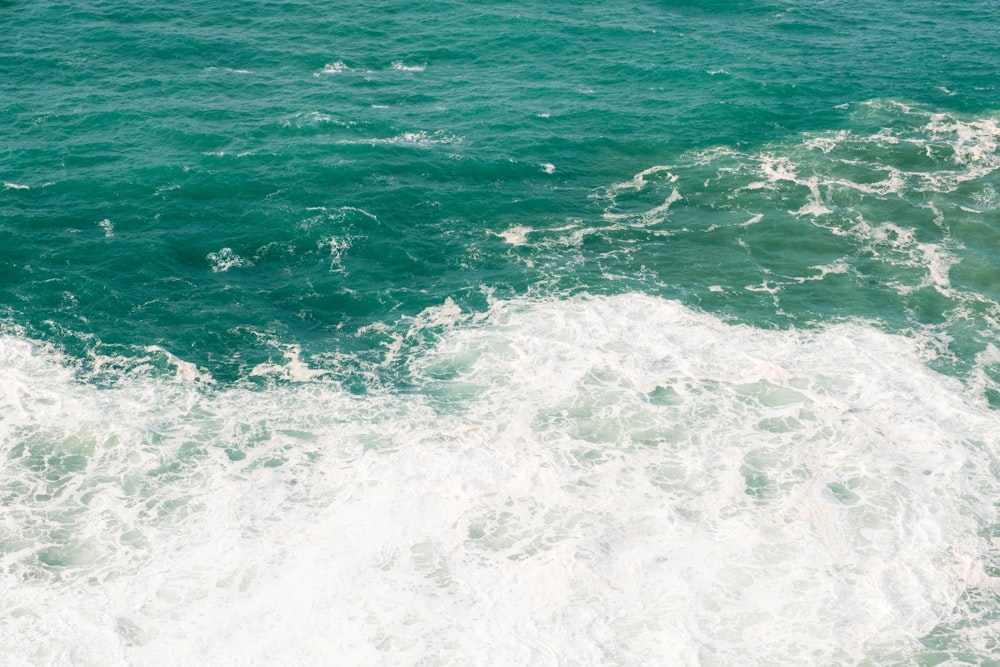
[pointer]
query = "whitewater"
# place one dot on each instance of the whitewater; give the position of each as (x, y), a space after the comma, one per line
(630, 334)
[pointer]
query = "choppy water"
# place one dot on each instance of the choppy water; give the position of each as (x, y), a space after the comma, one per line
(657, 333)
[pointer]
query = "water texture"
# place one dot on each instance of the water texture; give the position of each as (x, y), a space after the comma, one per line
(436, 333)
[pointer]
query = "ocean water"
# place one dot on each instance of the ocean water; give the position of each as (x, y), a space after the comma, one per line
(632, 333)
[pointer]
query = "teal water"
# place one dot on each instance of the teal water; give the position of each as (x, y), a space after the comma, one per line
(698, 299)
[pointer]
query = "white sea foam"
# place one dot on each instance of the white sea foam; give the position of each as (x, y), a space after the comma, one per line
(640, 181)
(874, 185)
(225, 259)
(596, 481)
(15, 186)
(332, 68)
(418, 139)
(229, 70)
(293, 370)
(315, 118)
(906, 250)
(186, 371)
(618, 194)
(337, 247)
(973, 142)
(173, 186)
(825, 270)
(814, 206)
(400, 66)
(213, 154)
(108, 227)
(516, 235)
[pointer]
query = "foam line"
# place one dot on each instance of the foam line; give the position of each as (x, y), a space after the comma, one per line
(615, 480)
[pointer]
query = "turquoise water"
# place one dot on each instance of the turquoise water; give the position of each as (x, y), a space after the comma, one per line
(621, 334)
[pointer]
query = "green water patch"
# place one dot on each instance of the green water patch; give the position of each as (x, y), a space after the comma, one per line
(226, 181)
